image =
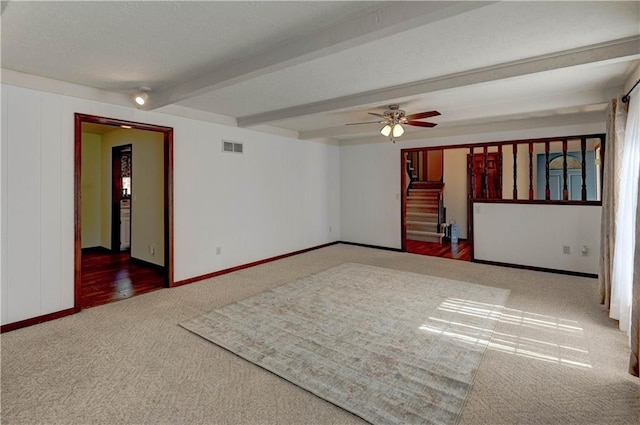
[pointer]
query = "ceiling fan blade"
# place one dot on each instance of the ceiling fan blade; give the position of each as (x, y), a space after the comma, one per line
(365, 122)
(421, 123)
(421, 115)
(375, 114)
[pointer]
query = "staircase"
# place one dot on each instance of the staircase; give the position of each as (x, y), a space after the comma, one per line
(422, 214)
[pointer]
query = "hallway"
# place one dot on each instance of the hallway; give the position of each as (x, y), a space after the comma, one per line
(456, 251)
(108, 277)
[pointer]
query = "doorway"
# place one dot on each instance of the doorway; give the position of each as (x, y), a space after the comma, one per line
(423, 205)
(108, 263)
(486, 175)
(121, 183)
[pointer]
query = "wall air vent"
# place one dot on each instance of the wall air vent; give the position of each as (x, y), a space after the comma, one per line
(234, 147)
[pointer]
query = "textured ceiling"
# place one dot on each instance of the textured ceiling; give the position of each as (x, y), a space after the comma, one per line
(313, 66)
(120, 45)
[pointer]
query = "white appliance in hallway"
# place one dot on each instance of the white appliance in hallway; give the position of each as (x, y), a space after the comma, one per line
(125, 224)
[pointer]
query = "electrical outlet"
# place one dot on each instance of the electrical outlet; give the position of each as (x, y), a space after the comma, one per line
(152, 250)
(584, 251)
(566, 249)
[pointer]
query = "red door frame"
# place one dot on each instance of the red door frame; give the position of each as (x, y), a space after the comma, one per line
(168, 194)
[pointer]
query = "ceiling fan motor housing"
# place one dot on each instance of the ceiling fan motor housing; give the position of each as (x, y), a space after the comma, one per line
(394, 114)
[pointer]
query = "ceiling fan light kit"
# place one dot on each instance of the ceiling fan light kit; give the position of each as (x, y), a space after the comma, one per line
(397, 130)
(393, 119)
(386, 130)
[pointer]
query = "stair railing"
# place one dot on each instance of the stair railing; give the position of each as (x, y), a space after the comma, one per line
(410, 168)
(440, 212)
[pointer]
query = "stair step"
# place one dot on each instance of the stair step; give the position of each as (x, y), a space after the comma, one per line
(423, 197)
(422, 214)
(416, 235)
(422, 208)
(423, 233)
(431, 201)
(422, 226)
(427, 185)
(422, 204)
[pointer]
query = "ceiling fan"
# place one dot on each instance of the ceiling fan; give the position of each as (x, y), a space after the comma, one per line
(394, 118)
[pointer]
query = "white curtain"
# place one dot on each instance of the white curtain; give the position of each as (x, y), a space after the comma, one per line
(626, 230)
(616, 123)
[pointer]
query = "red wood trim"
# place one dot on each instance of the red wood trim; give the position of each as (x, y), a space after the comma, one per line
(514, 143)
(77, 188)
(565, 187)
(471, 173)
(470, 238)
(499, 194)
(547, 190)
(168, 207)
(515, 170)
(506, 142)
(364, 245)
(403, 199)
(485, 176)
(118, 123)
(535, 202)
(168, 195)
(62, 313)
(470, 196)
(535, 268)
(530, 171)
(583, 149)
(246, 266)
(35, 320)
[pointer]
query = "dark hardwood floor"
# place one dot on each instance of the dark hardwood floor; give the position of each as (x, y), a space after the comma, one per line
(455, 251)
(108, 277)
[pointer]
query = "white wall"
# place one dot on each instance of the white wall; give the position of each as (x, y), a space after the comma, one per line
(370, 179)
(534, 235)
(37, 208)
(147, 201)
(282, 195)
(91, 190)
(455, 188)
(370, 190)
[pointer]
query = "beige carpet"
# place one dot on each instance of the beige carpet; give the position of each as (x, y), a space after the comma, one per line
(389, 346)
(555, 357)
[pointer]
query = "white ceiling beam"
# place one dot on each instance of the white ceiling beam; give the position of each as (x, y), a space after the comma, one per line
(620, 49)
(391, 19)
(487, 112)
(475, 129)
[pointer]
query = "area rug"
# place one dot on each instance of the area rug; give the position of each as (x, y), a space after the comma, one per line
(389, 346)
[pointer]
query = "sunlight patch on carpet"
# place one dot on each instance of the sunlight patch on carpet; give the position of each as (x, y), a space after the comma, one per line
(380, 343)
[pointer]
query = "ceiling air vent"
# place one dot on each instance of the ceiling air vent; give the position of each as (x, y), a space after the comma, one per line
(229, 146)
